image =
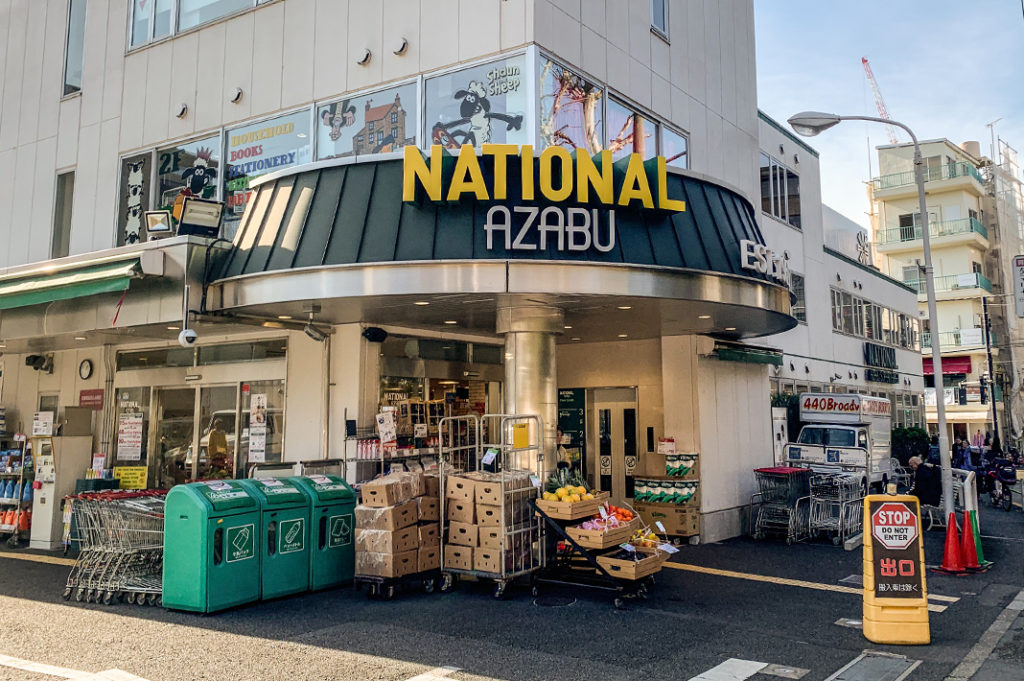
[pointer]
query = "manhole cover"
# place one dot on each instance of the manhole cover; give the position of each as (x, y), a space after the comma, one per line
(553, 601)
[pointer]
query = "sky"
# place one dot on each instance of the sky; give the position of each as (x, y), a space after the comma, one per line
(946, 68)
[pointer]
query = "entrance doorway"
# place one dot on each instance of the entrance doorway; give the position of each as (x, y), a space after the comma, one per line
(613, 435)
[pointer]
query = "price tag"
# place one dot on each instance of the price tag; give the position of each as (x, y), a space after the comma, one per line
(660, 527)
(420, 430)
(629, 547)
(668, 548)
(535, 481)
(603, 508)
(489, 457)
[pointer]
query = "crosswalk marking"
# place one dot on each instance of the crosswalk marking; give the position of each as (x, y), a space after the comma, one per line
(732, 669)
(437, 674)
(64, 672)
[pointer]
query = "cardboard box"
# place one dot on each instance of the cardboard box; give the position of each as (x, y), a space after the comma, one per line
(429, 508)
(392, 489)
(386, 564)
(428, 558)
(489, 489)
(432, 485)
(494, 537)
(679, 466)
(460, 510)
(460, 487)
(462, 534)
(388, 541)
(681, 521)
(458, 557)
(489, 560)
(387, 518)
(515, 512)
(430, 535)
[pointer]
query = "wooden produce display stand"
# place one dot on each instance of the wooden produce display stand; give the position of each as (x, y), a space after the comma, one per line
(590, 558)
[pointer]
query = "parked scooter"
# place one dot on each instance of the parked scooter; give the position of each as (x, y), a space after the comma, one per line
(1000, 477)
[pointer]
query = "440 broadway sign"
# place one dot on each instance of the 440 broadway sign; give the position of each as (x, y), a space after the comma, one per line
(570, 183)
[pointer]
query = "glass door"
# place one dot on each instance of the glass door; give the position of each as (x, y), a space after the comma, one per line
(615, 434)
(173, 435)
(218, 420)
(262, 440)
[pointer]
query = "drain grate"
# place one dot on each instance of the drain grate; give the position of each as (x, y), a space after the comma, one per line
(553, 601)
(873, 666)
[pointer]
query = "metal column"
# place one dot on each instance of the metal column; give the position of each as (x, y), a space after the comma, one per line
(531, 377)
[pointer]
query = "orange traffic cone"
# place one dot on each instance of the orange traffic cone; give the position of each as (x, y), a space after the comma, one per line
(952, 564)
(968, 551)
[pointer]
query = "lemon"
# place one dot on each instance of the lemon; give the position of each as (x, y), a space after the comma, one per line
(550, 496)
(573, 498)
(562, 492)
(581, 490)
(588, 496)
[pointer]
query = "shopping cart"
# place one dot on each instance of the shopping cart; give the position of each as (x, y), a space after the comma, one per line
(120, 535)
(784, 503)
(836, 506)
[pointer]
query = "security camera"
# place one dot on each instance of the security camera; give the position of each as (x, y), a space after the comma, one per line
(315, 333)
(187, 338)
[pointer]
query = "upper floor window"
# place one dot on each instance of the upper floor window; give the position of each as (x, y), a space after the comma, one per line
(780, 191)
(800, 300)
(659, 17)
(154, 19)
(60, 244)
(74, 47)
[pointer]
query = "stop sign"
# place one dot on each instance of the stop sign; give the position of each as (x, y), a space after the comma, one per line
(894, 525)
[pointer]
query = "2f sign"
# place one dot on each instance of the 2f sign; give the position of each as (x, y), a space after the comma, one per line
(1018, 284)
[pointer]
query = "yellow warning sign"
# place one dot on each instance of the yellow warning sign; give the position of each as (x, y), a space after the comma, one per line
(131, 477)
(895, 594)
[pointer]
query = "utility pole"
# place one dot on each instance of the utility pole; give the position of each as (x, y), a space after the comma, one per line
(991, 372)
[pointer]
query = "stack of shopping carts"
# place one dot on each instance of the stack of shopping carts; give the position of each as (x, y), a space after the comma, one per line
(784, 507)
(121, 542)
(836, 506)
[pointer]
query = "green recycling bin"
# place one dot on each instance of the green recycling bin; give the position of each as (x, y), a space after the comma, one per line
(283, 536)
(210, 559)
(332, 558)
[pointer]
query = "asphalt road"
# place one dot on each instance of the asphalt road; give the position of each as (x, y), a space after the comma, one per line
(693, 622)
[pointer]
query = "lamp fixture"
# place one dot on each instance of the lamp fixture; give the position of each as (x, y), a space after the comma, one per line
(284, 316)
(623, 335)
(79, 338)
(363, 58)
(625, 307)
(181, 111)
(576, 338)
(450, 322)
(566, 327)
(730, 328)
(236, 95)
(400, 47)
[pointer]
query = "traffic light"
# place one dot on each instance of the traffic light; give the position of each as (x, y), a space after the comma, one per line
(961, 394)
(984, 389)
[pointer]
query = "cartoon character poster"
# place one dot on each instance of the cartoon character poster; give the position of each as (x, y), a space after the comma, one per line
(134, 198)
(191, 169)
(483, 104)
(374, 123)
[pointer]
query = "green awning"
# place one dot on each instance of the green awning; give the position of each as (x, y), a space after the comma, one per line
(64, 284)
(748, 355)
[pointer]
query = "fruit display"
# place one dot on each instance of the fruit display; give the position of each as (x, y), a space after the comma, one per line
(610, 527)
(633, 565)
(568, 493)
(566, 497)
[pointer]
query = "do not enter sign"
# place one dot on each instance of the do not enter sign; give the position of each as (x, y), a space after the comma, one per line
(894, 525)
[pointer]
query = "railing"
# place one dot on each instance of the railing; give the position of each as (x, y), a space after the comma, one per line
(935, 229)
(953, 282)
(946, 171)
(957, 339)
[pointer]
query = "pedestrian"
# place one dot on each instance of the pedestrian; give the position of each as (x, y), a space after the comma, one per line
(958, 453)
(927, 486)
(933, 449)
(978, 440)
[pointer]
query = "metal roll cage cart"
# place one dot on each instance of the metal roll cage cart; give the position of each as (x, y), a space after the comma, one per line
(511, 459)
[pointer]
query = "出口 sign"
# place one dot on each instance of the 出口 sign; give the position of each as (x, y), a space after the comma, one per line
(896, 549)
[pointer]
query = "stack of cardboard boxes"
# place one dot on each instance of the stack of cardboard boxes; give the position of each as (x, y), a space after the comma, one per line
(669, 490)
(397, 525)
(476, 535)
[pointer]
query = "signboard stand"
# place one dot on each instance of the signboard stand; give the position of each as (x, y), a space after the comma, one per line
(895, 594)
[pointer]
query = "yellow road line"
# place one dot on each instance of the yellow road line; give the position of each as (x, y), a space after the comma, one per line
(35, 558)
(818, 586)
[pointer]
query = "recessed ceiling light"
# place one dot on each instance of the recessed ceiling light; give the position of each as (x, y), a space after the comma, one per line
(566, 327)
(623, 335)
(730, 328)
(3, 345)
(284, 316)
(576, 338)
(625, 307)
(173, 328)
(421, 302)
(79, 338)
(301, 135)
(704, 316)
(450, 321)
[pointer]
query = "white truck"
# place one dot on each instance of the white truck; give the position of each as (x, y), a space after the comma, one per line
(845, 433)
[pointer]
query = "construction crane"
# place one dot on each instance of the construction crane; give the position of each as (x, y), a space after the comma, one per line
(879, 102)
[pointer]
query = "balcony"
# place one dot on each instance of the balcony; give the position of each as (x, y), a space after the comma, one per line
(954, 340)
(958, 285)
(948, 232)
(905, 183)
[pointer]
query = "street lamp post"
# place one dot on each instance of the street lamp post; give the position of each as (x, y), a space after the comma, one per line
(810, 123)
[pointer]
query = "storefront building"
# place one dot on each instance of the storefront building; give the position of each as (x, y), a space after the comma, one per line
(546, 208)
